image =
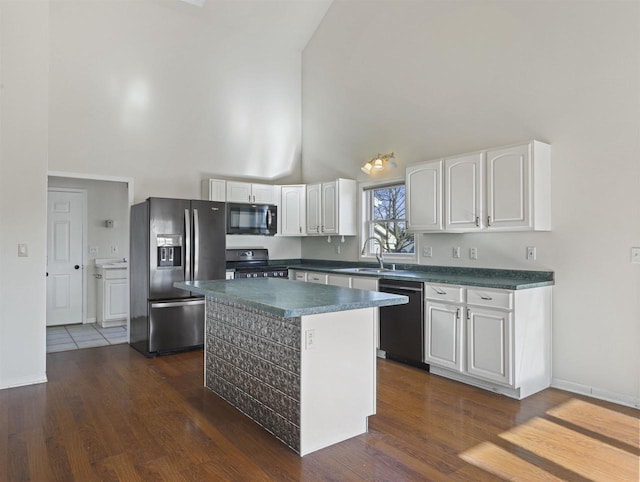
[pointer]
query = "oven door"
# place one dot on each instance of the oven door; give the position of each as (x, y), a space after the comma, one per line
(252, 219)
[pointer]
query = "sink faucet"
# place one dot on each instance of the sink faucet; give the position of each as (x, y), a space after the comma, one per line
(380, 255)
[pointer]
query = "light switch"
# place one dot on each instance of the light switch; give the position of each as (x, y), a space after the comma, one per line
(635, 255)
(427, 251)
(23, 250)
(456, 252)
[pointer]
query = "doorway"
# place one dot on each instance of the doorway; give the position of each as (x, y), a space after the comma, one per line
(106, 237)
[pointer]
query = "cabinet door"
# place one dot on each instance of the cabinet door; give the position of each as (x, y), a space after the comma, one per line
(292, 211)
(263, 194)
(339, 280)
(508, 188)
(217, 190)
(463, 192)
(329, 208)
(313, 208)
(116, 299)
(489, 345)
(424, 193)
(238, 192)
(443, 335)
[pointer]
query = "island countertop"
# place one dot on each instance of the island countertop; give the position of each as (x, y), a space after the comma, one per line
(288, 298)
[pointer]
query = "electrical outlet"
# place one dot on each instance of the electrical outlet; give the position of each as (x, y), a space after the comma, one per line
(427, 251)
(93, 250)
(309, 339)
(23, 250)
(473, 253)
(531, 253)
(456, 252)
(337, 249)
(635, 255)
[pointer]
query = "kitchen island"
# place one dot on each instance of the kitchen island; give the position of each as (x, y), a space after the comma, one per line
(298, 359)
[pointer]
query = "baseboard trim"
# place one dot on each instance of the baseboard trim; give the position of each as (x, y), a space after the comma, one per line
(23, 382)
(594, 392)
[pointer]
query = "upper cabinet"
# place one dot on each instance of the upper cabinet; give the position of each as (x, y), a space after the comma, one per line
(503, 189)
(424, 193)
(519, 188)
(293, 210)
(214, 190)
(463, 192)
(331, 208)
(245, 192)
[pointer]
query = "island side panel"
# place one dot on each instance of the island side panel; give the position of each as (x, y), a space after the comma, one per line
(252, 360)
(338, 376)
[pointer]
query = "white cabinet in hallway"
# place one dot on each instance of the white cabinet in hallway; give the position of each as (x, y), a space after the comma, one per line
(113, 293)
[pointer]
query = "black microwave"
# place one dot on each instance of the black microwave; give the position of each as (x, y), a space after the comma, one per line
(252, 219)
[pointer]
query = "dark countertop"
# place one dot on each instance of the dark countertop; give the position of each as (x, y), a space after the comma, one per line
(481, 277)
(290, 299)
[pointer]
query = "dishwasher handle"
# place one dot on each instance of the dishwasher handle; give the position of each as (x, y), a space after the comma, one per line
(395, 288)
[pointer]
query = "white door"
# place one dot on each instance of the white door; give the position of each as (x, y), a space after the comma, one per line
(313, 208)
(443, 333)
(489, 347)
(329, 208)
(508, 190)
(293, 211)
(424, 193)
(463, 192)
(65, 218)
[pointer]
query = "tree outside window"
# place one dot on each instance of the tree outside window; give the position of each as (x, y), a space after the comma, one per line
(387, 220)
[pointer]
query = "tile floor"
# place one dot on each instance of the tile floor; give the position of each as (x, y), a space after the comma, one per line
(74, 337)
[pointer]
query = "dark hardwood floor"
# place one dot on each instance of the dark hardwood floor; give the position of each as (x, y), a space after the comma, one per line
(110, 414)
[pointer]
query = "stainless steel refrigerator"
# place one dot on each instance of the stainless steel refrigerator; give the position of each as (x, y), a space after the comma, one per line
(172, 240)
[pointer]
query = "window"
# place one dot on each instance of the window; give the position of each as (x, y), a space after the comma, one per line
(385, 219)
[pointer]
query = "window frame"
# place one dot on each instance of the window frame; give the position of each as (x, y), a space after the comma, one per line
(364, 223)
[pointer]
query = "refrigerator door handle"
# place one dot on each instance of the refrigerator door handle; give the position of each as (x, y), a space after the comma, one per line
(187, 246)
(196, 244)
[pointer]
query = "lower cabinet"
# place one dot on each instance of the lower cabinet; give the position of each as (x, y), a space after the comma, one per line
(113, 297)
(356, 282)
(499, 340)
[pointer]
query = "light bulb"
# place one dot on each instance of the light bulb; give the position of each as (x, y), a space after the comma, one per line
(367, 168)
(377, 165)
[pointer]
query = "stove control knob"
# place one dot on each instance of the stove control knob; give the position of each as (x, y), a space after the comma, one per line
(265, 275)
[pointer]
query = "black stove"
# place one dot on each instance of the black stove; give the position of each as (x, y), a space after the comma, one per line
(253, 263)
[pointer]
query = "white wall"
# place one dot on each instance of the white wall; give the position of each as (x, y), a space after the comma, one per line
(105, 200)
(24, 35)
(168, 93)
(430, 79)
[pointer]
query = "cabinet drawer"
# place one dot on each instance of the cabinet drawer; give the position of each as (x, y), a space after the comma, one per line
(493, 298)
(317, 278)
(444, 293)
(298, 275)
(119, 273)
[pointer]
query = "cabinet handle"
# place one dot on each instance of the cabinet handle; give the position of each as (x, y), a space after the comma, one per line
(488, 220)
(322, 228)
(317, 229)
(439, 292)
(477, 221)
(458, 314)
(485, 297)
(468, 314)
(300, 228)
(254, 198)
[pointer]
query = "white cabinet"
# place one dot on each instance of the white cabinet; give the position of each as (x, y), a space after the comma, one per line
(293, 210)
(518, 187)
(245, 192)
(463, 192)
(424, 195)
(499, 340)
(339, 280)
(214, 190)
(503, 189)
(112, 295)
(331, 208)
(443, 325)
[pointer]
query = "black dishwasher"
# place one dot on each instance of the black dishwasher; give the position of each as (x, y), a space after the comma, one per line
(402, 326)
